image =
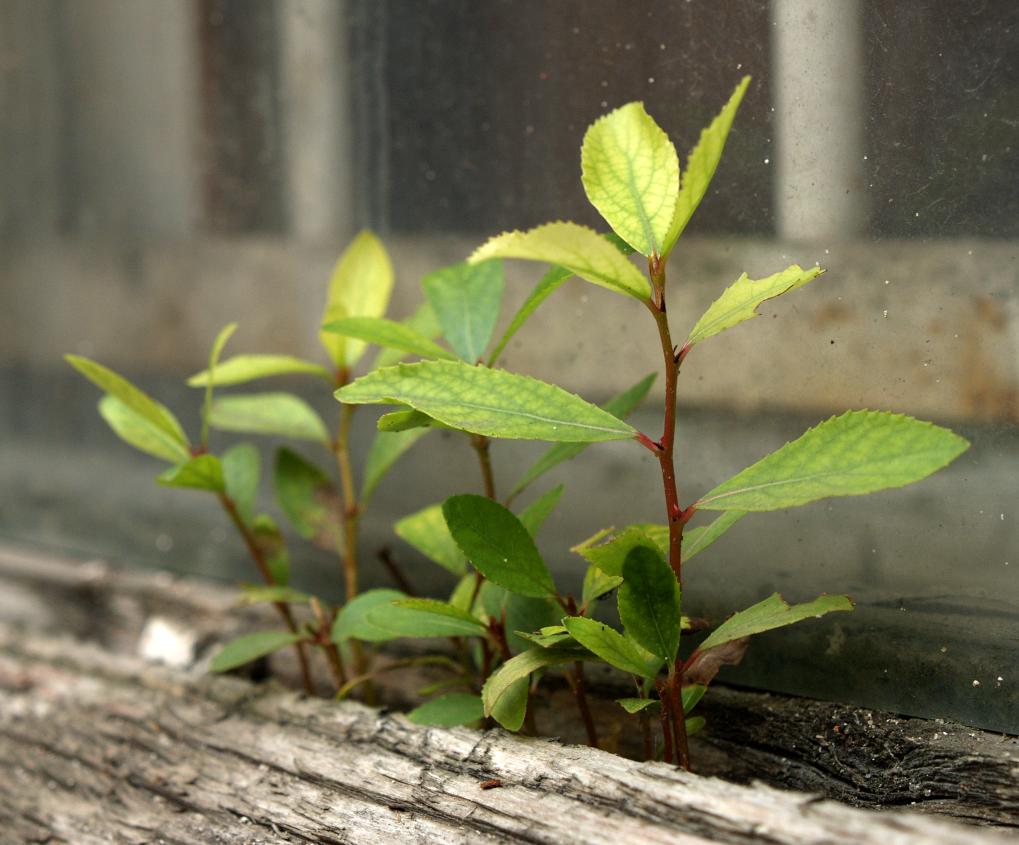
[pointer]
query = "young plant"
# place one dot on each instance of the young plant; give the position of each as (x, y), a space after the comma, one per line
(631, 174)
(319, 511)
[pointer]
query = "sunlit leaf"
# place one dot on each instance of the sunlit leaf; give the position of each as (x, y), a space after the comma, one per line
(352, 620)
(598, 583)
(242, 469)
(203, 472)
(696, 540)
(388, 333)
(511, 708)
(701, 165)
(241, 369)
(518, 669)
(140, 432)
(494, 403)
(386, 449)
(361, 284)
(498, 545)
(309, 499)
(612, 647)
(157, 415)
(423, 322)
(649, 602)
(548, 285)
(546, 637)
(281, 414)
(619, 406)
(630, 173)
(855, 453)
(578, 249)
(740, 300)
(450, 710)
(609, 555)
(535, 514)
(773, 612)
(250, 647)
(466, 299)
(427, 532)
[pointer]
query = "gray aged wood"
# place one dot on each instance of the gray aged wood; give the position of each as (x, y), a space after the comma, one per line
(98, 745)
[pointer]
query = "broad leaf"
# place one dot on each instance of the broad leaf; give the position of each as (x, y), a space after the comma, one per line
(609, 556)
(773, 612)
(511, 708)
(494, 403)
(281, 414)
(649, 602)
(427, 532)
(578, 249)
(244, 368)
(385, 450)
(421, 321)
(548, 285)
(630, 173)
(498, 545)
(217, 350)
(309, 499)
(546, 637)
(701, 165)
(597, 584)
(397, 422)
(242, 468)
(140, 432)
(466, 299)
(361, 284)
(352, 620)
(472, 625)
(450, 710)
(856, 453)
(696, 540)
(739, 301)
(519, 668)
(388, 333)
(612, 647)
(524, 613)
(259, 593)
(619, 406)
(694, 726)
(250, 647)
(203, 472)
(463, 593)
(157, 416)
(535, 514)
(691, 695)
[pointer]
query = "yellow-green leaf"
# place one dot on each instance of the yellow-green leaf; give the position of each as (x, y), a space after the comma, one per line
(390, 334)
(612, 647)
(268, 413)
(773, 612)
(630, 173)
(739, 301)
(701, 165)
(244, 368)
(427, 532)
(141, 432)
(386, 449)
(494, 403)
(517, 668)
(203, 472)
(578, 249)
(250, 647)
(361, 284)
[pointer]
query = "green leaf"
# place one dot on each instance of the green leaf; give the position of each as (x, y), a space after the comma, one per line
(494, 403)
(242, 468)
(281, 414)
(400, 421)
(463, 593)
(203, 472)
(696, 540)
(578, 249)
(269, 540)
(309, 499)
(548, 285)
(244, 368)
(511, 708)
(450, 710)
(524, 613)
(630, 172)
(472, 626)
(423, 322)
(498, 545)
(352, 620)
(157, 415)
(620, 406)
(386, 449)
(547, 636)
(858, 452)
(701, 166)
(259, 593)
(773, 612)
(635, 705)
(518, 669)
(649, 602)
(695, 725)
(427, 532)
(361, 284)
(423, 618)
(388, 333)
(535, 514)
(250, 647)
(609, 556)
(466, 299)
(692, 695)
(598, 583)
(739, 301)
(612, 647)
(214, 353)
(140, 432)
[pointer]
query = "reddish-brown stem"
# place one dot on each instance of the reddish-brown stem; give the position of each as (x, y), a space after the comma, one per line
(576, 679)
(480, 445)
(258, 556)
(325, 642)
(401, 580)
(645, 729)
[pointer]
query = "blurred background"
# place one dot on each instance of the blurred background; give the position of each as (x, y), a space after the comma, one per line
(168, 166)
